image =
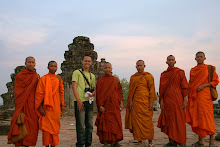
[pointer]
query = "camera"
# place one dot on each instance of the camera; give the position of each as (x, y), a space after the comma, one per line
(89, 89)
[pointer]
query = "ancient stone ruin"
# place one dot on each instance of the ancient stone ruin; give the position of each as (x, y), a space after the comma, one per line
(80, 47)
(7, 109)
(8, 98)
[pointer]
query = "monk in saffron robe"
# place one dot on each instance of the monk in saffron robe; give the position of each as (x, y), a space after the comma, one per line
(139, 110)
(49, 104)
(25, 87)
(199, 113)
(173, 101)
(109, 100)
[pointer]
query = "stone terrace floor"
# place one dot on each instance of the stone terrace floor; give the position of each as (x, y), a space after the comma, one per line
(68, 134)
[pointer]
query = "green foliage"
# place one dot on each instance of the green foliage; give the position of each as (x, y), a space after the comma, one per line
(125, 88)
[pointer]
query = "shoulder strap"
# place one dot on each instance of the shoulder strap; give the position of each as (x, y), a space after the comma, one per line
(59, 77)
(85, 78)
(211, 70)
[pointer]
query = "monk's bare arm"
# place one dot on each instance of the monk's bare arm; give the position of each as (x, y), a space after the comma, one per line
(201, 87)
(152, 95)
(76, 94)
(41, 109)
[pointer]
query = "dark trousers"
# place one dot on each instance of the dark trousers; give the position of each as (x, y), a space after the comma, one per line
(84, 124)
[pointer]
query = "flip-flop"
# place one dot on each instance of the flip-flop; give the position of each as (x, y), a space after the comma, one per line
(197, 144)
(151, 145)
(170, 144)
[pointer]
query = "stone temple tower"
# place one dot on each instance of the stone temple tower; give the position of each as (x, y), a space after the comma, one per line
(80, 47)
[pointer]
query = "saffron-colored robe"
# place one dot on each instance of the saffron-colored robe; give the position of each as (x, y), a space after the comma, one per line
(199, 112)
(109, 95)
(50, 91)
(25, 87)
(139, 119)
(173, 88)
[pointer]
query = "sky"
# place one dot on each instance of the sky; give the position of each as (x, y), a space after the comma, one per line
(121, 31)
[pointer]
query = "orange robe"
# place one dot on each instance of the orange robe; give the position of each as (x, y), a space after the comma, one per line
(199, 112)
(25, 86)
(50, 91)
(139, 119)
(173, 89)
(109, 95)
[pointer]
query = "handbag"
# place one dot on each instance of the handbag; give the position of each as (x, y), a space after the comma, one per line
(213, 90)
(22, 128)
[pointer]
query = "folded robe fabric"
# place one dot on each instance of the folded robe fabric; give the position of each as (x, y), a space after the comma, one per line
(51, 92)
(25, 86)
(173, 88)
(139, 119)
(199, 112)
(109, 95)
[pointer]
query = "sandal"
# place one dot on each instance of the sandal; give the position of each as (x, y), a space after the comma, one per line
(151, 145)
(115, 145)
(197, 144)
(170, 144)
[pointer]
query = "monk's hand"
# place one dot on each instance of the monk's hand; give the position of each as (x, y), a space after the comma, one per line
(200, 87)
(161, 104)
(80, 105)
(62, 108)
(92, 94)
(131, 105)
(102, 109)
(184, 103)
(42, 111)
(151, 106)
(122, 106)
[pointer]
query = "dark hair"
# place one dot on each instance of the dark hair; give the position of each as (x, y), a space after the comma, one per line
(200, 52)
(29, 57)
(86, 56)
(51, 62)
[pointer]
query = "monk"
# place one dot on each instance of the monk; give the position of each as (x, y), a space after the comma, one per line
(25, 87)
(199, 113)
(139, 110)
(109, 100)
(173, 101)
(49, 104)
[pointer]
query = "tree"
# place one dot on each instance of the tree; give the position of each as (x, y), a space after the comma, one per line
(125, 88)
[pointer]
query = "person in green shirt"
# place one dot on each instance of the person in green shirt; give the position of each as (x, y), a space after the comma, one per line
(83, 85)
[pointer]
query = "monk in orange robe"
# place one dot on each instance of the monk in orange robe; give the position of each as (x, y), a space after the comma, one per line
(199, 113)
(109, 100)
(25, 86)
(173, 92)
(139, 110)
(49, 104)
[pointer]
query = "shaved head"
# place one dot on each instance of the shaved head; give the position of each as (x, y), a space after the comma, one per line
(51, 62)
(170, 56)
(200, 52)
(140, 61)
(107, 68)
(107, 63)
(26, 59)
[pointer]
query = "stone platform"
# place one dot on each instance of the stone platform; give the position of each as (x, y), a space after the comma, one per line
(68, 134)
